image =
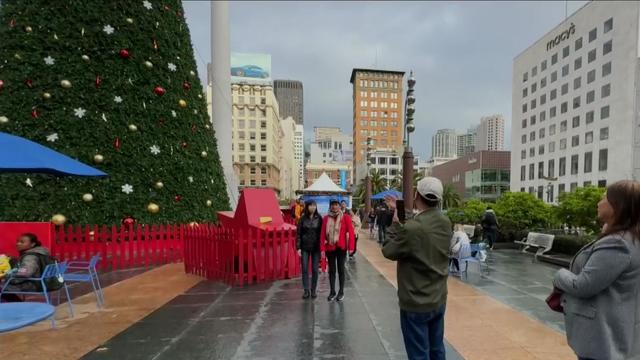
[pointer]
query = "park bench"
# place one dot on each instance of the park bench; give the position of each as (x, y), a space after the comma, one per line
(538, 241)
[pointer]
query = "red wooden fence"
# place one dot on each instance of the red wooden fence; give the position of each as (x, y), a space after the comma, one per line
(240, 256)
(120, 248)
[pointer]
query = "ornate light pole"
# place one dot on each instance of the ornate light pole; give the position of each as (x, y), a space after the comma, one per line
(407, 157)
(367, 179)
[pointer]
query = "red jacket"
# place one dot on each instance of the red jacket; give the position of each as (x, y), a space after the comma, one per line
(346, 227)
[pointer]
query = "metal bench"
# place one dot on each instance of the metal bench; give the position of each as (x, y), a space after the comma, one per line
(538, 241)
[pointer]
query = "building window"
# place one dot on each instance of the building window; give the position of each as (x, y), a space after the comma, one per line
(562, 166)
(532, 136)
(524, 139)
(534, 71)
(252, 147)
(574, 164)
(554, 76)
(565, 52)
(263, 159)
(540, 170)
(578, 44)
(554, 59)
(524, 107)
(588, 137)
(606, 69)
(604, 133)
(552, 130)
(532, 152)
(575, 140)
(532, 120)
(563, 144)
(523, 173)
(551, 168)
(263, 171)
(525, 92)
(524, 123)
(552, 112)
(263, 136)
(563, 126)
(552, 146)
(543, 82)
(564, 89)
(252, 158)
(604, 112)
(591, 96)
(602, 183)
(531, 171)
(533, 104)
(608, 25)
(541, 133)
(602, 159)
(607, 47)
(577, 64)
(525, 77)
(577, 82)
(553, 94)
(575, 122)
(591, 56)
(534, 87)
(263, 147)
(593, 34)
(605, 91)
(543, 65)
(576, 102)
(541, 149)
(523, 153)
(252, 170)
(543, 99)
(565, 70)
(543, 116)
(573, 186)
(564, 107)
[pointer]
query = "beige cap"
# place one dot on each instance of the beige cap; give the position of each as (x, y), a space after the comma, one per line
(430, 187)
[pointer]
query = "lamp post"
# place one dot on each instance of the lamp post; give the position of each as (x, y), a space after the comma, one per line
(407, 156)
(549, 187)
(367, 179)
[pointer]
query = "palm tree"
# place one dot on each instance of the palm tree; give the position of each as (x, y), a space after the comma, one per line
(378, 184)
(450, 197)
(396, 183)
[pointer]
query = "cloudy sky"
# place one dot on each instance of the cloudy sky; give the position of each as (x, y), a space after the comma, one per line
(461, 52)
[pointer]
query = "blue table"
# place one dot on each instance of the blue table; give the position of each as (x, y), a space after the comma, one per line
(20, 314)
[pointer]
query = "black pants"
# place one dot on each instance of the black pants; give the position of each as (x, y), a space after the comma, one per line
(355, 246)
(490, 236)
(314, 258)
(336, 260)
(455, 263)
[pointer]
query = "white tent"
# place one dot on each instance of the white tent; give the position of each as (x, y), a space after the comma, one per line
(324, 184)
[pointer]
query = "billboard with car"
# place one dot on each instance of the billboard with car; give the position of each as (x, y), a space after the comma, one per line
(251, 68)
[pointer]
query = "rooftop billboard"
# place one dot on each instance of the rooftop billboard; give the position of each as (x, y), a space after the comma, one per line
(250, 68)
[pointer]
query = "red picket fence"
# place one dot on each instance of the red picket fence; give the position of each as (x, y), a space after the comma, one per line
(120, 248)
(240, 256)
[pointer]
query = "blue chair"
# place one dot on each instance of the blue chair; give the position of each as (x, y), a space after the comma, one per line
(85, 271)
(476, 249)
(51, 271)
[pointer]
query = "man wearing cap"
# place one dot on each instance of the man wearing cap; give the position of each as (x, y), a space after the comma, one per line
(421, 248)
(337, 237)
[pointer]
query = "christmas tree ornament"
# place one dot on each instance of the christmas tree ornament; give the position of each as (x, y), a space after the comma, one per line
(49, 60)
(4, 119)
(127, 188)
(147, 5)
(194, 128)
(167, 8)
(130, 20)
(34, 113)
(87, 197)
(65, 84)
(177, 198)
(79, 112)
(209, 203)
(117, 99)
(29, 183)
(46, 95)
(85, 58)
(172, 67)
(179, 13)
(182, 103)
(184, 145)
(98, 159)
(155, 149)
(12, 23)
(128, 221)
(52, 137)
(29, 83)
(207, 126)
(124, 53)
(148, 64)
(1, 84)
(158, 185)
(155, 45)
(153, 208)
(186, 85)
(28, 29)
(159, 90)
(204, 154)
(55, 36)
(58, 219)
(108, 29)
(116, 143)
(192, 73)
(98, 81)
(199, 96)
(132, 127)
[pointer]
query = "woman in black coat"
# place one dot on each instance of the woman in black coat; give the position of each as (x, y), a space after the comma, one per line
(308, 245)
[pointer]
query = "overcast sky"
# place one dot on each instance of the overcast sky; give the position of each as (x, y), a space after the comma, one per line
(461, 52)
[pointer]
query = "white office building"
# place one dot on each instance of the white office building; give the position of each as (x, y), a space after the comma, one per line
(444, 144)
(298, 144)
(490, 133)
(575, 103)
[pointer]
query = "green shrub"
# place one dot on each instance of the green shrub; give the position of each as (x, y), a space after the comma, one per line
(570, 244)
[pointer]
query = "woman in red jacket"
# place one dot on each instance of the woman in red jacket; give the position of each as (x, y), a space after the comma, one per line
(338, 238)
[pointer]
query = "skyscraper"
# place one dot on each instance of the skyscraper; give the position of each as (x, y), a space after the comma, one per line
(491, 133)
(468, 142)
(444, 144)
(289, 94)
(377, 112)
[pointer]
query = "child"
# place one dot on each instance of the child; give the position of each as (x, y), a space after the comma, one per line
(460, 247)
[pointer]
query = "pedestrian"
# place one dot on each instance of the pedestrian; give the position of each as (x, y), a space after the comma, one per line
(383, 220)
(357, 225)
(490, 225)
(460, 247)
(371, 219)
(308, 245)
(337, 230)
(343, 206)
(421, 248)
(601, 291)
(298, 209)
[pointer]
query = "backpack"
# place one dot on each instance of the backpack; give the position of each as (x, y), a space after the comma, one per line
(54, 283)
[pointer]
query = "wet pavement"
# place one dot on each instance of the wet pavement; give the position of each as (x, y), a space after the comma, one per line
(270, 321)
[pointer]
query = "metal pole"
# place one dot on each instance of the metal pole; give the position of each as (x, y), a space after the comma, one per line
(407, 156)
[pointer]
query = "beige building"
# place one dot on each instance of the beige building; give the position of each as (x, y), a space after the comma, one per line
(314, 171)
(289, 169)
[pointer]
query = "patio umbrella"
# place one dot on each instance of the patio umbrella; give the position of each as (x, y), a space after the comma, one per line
(382, 195)
(19, 155)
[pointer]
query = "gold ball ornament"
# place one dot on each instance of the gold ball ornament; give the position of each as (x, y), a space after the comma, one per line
(132, 127)
(87, 197)
(28, 29)
(58, 219)
(153, 208)
(148, 64)
(209, 203)
(130, 20)
(98, 159)
(65, 84)
(192, 73)
(4, 119)
(85, 58)
(182, 103)
(46, 96)
(158, 185)
(204, 154)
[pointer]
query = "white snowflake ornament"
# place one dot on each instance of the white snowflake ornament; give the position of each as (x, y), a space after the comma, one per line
(172, 67)
(147, 5)
(53, 137)
(127, 189)
(79, 112)
(117, 99)
(29, 183)
(190, 179)
(49, 60)
(108, 29)
(104, 117)
(174, 113)
(155, 150)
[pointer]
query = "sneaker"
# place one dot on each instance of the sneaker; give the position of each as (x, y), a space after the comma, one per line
(314, 294)
(340, 296)
(306, 294)
(331, 296)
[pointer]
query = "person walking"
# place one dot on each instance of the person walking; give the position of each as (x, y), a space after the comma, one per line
(308, 245)
(372, 222)
(383, 220)
(460, 247)
(337, 230)
(601, 291)
(421, 248)
(489, 224)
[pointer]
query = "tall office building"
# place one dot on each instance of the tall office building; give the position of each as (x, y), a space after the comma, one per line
(289, 94)
(377, 112)
(331, 145)
(444, 144)
(467, 143)
(575, 103)
(298, 144)
(490, 133)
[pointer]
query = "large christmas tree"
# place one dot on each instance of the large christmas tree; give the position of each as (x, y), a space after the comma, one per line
(112, 84)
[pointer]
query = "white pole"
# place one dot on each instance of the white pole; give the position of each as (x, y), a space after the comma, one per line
(221, 93)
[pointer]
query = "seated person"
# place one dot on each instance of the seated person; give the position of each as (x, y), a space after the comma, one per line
(28, 265)
(460, 247)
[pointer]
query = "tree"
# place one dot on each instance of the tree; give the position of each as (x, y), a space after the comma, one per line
(521, 211)
(112, 84)
(378, 184)
(396, 183)
(450, 197)
(469, 213)
(579, 207)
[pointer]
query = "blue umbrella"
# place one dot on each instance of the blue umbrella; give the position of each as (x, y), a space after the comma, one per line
(382, 195)
(19, 155)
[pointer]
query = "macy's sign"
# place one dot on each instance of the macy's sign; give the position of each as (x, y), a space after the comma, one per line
(563, 36)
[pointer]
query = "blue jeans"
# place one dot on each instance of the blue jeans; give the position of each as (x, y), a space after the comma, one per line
(315, 260)
(423, 334)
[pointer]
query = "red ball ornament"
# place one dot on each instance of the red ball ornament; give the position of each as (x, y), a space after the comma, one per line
(116, 143)
(34, 113)
(186, 85)
(128, 221)
(98, 81)
(29, 83)
(159, 90)
(177, 198)
(124, 53)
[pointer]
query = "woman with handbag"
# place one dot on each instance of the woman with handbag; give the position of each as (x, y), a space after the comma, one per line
(600, 294)
(308, 245)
